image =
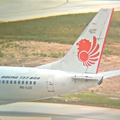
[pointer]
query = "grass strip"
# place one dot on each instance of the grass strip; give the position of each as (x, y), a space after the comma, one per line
(87, 98)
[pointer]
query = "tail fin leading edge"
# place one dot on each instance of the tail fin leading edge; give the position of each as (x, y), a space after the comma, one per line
(85, 54)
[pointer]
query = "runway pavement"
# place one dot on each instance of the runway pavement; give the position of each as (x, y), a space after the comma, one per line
(51, 111)
(13, 10)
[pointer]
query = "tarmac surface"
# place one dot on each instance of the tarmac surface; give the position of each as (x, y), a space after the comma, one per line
(15, 10)
(51, 111)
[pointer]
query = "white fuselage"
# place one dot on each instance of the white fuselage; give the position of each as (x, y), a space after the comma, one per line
(27, 84)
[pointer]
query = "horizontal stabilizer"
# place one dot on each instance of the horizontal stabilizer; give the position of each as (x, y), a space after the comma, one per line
(110, 73)
(88, 77)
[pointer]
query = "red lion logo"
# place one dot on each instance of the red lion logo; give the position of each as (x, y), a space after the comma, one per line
(87, 52)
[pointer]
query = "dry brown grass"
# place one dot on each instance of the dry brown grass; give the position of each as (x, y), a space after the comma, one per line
(15, 55)
(111, 85)
(28, 53)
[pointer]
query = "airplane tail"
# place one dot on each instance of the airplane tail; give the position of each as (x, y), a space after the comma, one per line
(85, 54)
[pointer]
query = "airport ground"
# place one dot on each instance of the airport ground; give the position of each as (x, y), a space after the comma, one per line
(12, 10)
(21, 44)
(52, 111)
(31, 52)
(13, 58)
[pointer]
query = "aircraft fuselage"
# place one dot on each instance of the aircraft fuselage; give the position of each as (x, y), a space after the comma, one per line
(27, 84)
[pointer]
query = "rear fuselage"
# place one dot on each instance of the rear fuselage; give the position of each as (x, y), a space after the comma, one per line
(27, 84)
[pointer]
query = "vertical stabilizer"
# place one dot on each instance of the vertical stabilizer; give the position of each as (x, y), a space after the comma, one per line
(85, 54)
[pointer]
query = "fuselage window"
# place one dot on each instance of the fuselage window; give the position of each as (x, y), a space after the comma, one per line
(30, 82)
(14, 82)
(11, 82)
(22, 82)
(7, 82)
(26, 82)
(3, 82)
(18, 82)
(34, 83)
